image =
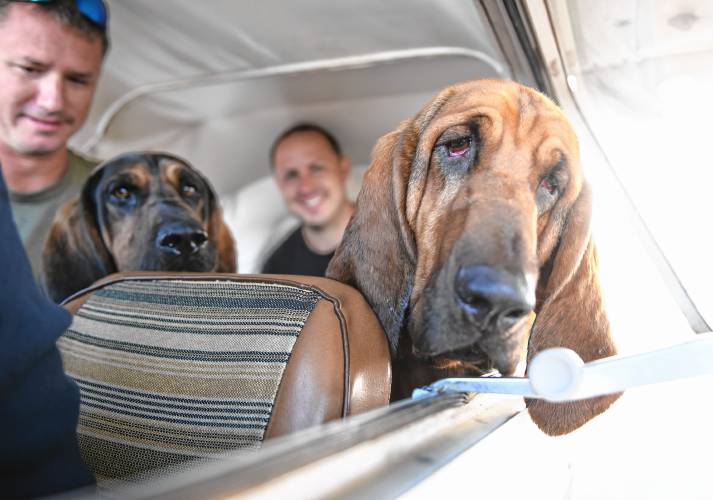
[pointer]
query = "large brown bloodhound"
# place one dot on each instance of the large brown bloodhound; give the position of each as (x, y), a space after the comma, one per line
(474, 219)
(137, 212)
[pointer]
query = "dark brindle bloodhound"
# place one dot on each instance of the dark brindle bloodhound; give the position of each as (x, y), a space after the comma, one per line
(473, 219)
(137, 212)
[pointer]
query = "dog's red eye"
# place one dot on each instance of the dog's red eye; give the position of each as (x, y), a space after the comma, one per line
(458, 147)
(120, 192)
(550, 185)
(189, 189)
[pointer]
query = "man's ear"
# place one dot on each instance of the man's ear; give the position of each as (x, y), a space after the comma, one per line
(345, 166)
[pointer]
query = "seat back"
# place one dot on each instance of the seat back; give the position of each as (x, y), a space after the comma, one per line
(177, 367)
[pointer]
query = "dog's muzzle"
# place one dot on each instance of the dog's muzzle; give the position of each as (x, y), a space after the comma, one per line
(181, 239)
(497, 300)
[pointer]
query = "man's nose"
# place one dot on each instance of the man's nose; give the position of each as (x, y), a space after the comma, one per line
(305, 184)
(50, 93)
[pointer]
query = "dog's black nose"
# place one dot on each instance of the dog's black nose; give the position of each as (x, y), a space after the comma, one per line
(496, 299)
(180, 239)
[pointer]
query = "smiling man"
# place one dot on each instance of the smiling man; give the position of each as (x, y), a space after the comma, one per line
(311, 173)
(51, 53)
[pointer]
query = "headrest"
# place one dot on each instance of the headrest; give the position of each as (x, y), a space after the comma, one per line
(174, 367)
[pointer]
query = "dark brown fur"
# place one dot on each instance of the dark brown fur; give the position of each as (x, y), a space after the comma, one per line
(421, 216)
(97, 233)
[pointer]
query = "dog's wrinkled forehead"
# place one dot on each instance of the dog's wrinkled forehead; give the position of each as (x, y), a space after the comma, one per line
(503, 108)
(172, 171)
(514, 130)
(141, 168)
(133, 169)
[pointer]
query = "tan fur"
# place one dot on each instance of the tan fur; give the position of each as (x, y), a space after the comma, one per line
(416, 222)
(88, 240)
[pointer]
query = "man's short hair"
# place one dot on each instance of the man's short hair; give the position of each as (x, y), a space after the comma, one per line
(67, 13)
(305, 127)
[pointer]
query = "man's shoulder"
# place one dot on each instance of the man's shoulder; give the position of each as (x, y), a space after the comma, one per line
(80, 162)
(285, 251)
(290, 243)
(78, 169)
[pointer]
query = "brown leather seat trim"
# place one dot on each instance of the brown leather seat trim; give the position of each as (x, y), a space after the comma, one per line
(366, 366)
(314, 283)
(314, 376)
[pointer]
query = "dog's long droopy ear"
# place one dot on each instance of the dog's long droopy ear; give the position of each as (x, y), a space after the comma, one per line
(74, 255)
(571, 314)
(219, 233)
(376, 253)
(224, 242)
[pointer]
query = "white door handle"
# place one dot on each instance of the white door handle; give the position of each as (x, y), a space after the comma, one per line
(559, 374)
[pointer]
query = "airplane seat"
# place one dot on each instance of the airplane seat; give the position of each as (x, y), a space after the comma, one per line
(177, 368)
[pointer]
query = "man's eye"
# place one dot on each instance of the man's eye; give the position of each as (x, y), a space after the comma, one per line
(458, 147)
(189, 190)
(28, 70)
(79, 80)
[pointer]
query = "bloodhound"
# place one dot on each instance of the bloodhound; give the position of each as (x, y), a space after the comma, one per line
(473, 219)
(137, 212)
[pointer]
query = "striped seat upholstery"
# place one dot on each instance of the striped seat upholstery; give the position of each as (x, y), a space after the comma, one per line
(178, 368)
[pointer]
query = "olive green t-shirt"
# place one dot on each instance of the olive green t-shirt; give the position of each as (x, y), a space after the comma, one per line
(34, 212)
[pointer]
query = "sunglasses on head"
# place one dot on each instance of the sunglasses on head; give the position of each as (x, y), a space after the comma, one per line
(94, 10)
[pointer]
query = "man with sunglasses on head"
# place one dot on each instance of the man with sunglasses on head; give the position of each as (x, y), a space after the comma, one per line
(50, 56)
(51, 53)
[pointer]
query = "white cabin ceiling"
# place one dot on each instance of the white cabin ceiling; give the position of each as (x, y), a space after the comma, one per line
(216, 81)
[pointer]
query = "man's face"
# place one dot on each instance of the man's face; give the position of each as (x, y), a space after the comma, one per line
(48, 74)
(311, 177)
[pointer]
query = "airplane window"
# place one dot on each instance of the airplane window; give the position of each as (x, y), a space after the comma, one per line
(641, 74)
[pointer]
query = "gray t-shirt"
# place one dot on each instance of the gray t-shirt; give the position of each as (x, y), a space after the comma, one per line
(34, 212)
